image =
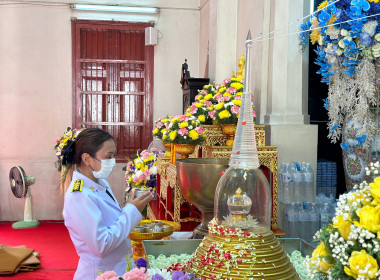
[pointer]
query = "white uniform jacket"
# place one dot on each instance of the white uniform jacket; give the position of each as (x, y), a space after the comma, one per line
(98, 227)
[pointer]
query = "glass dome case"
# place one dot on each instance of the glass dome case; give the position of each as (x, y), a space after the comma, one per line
(243, 200)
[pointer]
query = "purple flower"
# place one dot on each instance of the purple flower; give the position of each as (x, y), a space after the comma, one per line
(141, 263)
(177, 275)
(188, 276)
(157, 277)
(365, 39)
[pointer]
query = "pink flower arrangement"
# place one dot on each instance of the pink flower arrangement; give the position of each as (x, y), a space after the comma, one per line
(235, 109)
(136, 274)
(108, 275)
(183, 131)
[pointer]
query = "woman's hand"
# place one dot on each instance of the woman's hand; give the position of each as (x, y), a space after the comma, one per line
(141, 201)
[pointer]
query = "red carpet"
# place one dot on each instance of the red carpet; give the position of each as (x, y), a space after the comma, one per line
(58, 256)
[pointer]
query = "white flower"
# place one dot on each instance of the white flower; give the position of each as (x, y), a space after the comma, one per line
(375, 48)
(339, 52)
(341, 44)
(348, 38)
(344, 32)
(153, 170)
(370, 27)
(377, 37)
(332, 32)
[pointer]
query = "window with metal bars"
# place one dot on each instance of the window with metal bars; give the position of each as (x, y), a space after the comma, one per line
(113, 82)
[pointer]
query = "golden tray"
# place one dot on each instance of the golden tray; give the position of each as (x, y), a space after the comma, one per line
(139, 236)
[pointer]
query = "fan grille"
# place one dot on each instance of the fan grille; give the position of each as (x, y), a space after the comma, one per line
(16, 178)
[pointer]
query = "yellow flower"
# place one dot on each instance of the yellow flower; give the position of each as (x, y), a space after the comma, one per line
(200, 96)
(188, 114)
(237, 85)
(155, 131)
(322, 5)
(208, 96)
(164, 136)
(369, 218)
(198, 105)
(210, 108)
(201, 118)
(320, 255)
(222, 89)
(343, 226)
(226, 94)
(315, 36)
(375, 190)
(224, 114)
(183, 124)
(375, 1)
(138, 165)
(164, 120)
(237, 102)
(235, 79)
(361, 264)
(219, 106)
(207, 86)
(193, 134)
(173, 120)
(332, 20)
(163, 130)
(172, 135)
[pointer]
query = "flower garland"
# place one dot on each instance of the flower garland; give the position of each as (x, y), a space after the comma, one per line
(348, 48)
(350, 247)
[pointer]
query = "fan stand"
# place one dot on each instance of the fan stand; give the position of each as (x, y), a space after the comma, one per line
(28, 222)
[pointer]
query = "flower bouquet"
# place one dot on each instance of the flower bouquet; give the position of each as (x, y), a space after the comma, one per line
(350, 245)
(141, 170)
(348, 36)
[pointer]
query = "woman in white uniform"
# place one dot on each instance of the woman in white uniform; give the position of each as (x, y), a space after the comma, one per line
(98, 227)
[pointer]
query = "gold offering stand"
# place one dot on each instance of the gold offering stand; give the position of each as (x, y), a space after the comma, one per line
(137, 237)
(171, 205)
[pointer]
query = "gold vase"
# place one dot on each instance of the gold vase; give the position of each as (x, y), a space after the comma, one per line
(184, 149)
(229, 130)
(168, 150)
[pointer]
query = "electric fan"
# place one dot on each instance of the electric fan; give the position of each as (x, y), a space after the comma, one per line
(20, 187)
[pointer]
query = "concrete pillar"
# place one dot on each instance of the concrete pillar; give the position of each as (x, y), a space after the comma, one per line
(222, 39)
(288, 124)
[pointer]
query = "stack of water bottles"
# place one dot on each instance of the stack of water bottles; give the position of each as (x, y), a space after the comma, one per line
(303, 214)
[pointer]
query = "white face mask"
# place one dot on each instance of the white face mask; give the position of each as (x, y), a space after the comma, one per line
(107, 166)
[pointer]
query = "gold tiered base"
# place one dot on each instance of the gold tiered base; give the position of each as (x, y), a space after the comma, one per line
(226, 257)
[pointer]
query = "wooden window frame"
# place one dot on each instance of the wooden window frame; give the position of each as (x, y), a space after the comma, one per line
(147, 124)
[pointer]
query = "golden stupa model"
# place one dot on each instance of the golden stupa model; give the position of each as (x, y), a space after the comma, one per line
(239, 243)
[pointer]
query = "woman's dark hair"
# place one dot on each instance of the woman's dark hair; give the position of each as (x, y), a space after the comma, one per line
(89, 141)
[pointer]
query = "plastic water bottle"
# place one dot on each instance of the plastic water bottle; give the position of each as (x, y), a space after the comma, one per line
(308, 174)
(314, 221)
(288, 187)
(281, 172)
(298, 188)
(327, 213)
(304, 224)
(292, 224)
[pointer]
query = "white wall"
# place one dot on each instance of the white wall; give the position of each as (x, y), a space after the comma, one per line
(36, 91)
